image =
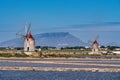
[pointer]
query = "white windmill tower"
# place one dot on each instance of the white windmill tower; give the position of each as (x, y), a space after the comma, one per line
(95, 46)
(29, 42)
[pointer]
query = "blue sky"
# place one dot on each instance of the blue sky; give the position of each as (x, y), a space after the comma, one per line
(82, 18)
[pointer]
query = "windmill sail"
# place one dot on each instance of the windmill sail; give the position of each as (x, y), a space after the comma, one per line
(27, 28)
(29, 43)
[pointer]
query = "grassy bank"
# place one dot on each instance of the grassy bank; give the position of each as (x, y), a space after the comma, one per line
(58, 54)
(63, 53)
(13, 55)
(75, 54)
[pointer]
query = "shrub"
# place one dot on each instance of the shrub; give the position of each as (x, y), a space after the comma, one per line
(5, 55)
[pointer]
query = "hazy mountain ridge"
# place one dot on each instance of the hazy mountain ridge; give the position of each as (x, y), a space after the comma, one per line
(56, 39)
(112, 44)
(18, 42)
(60, 39)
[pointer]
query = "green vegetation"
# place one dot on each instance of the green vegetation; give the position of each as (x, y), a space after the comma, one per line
(13, 55)
(66, 53)
(20, 55)
(5, 55)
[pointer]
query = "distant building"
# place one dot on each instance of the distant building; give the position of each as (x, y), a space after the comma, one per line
(95, 48)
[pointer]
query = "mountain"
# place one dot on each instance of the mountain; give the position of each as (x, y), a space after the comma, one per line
(112, 44)
(18, 42)
(56, 39)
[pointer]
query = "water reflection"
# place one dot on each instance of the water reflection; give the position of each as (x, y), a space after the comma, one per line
(38, 75)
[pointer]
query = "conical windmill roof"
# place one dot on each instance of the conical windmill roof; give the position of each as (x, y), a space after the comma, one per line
(29, 36)
(95, 42)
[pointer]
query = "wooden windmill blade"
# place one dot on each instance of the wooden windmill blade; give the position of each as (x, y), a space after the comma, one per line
(97, 37)
(27, 28)
(90, 43)
(19, 34)
(22, 37)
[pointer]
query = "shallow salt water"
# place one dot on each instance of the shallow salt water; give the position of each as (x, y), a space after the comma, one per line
(19, 64)
(41, 75)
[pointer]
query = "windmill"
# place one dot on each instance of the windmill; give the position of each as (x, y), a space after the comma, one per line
(29, 42)
(95, 45)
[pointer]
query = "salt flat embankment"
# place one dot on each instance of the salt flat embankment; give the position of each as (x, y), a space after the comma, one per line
(60, 64)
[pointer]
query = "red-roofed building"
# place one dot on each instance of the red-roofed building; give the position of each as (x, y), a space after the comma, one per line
(29, 44)
(95, 46)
